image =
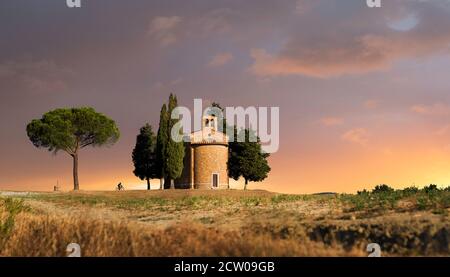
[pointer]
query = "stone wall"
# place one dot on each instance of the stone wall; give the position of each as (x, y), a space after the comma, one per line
(209, 159)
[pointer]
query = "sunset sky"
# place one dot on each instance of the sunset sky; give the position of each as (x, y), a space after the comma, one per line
(364, 93)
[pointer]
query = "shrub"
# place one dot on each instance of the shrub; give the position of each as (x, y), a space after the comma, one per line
(280, 198)
(409, 191)
(382, 189)
(363, 192)
(444, 200)
(9, 209)
(422, 202)
(356, 202)
(430, 189)
(252, 201)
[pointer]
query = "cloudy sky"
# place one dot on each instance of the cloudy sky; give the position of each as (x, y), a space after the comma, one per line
(364, 93)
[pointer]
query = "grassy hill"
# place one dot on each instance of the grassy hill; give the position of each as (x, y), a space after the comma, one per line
(225, 223)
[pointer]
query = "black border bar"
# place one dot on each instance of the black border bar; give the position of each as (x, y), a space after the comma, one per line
(286, 266)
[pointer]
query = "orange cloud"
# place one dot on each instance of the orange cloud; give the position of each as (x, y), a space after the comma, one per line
(370, 45)
(369, 53)
(443, 130)
(331, 121)
(37, 77)
(435, 109)
(359, 136)
(167, 30)
(220, 59)
(371, 104)
(162, 28)
(303, 6)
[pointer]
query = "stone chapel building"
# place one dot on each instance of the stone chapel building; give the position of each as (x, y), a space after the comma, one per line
(205, 161)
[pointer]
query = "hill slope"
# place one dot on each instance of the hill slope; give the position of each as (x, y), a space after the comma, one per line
(221, 223)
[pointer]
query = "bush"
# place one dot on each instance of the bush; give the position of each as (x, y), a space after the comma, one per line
(444, 201)
(383, 197)
(280, 198)
(382, 189)
(9, 209)
(430, 189)
(363, 192)
(422, 202)
(409, 191)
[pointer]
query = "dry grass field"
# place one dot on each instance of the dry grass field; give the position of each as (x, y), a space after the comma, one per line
(224, 223)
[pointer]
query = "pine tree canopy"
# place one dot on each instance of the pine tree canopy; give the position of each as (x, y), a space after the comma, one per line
(72, 129)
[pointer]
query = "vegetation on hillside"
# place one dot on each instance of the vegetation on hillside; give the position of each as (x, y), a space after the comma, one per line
(227, 223)
(383, 198)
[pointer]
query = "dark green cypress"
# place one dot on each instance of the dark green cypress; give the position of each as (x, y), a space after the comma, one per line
(161, 143)
(175, 150)
(144, 155)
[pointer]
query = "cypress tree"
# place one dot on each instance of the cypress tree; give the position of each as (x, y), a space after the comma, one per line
(144, 156)
(161, 144)
(175, 150)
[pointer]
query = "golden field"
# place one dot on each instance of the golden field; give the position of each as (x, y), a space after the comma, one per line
(223, 223)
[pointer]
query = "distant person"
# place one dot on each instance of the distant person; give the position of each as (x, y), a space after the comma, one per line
(56, 188)
(120, 187)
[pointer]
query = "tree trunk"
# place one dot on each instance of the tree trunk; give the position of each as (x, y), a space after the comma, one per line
(246, 183)
(76, 184)
(148, 184)
(172, 184)
(166, 183)
(161, 183)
